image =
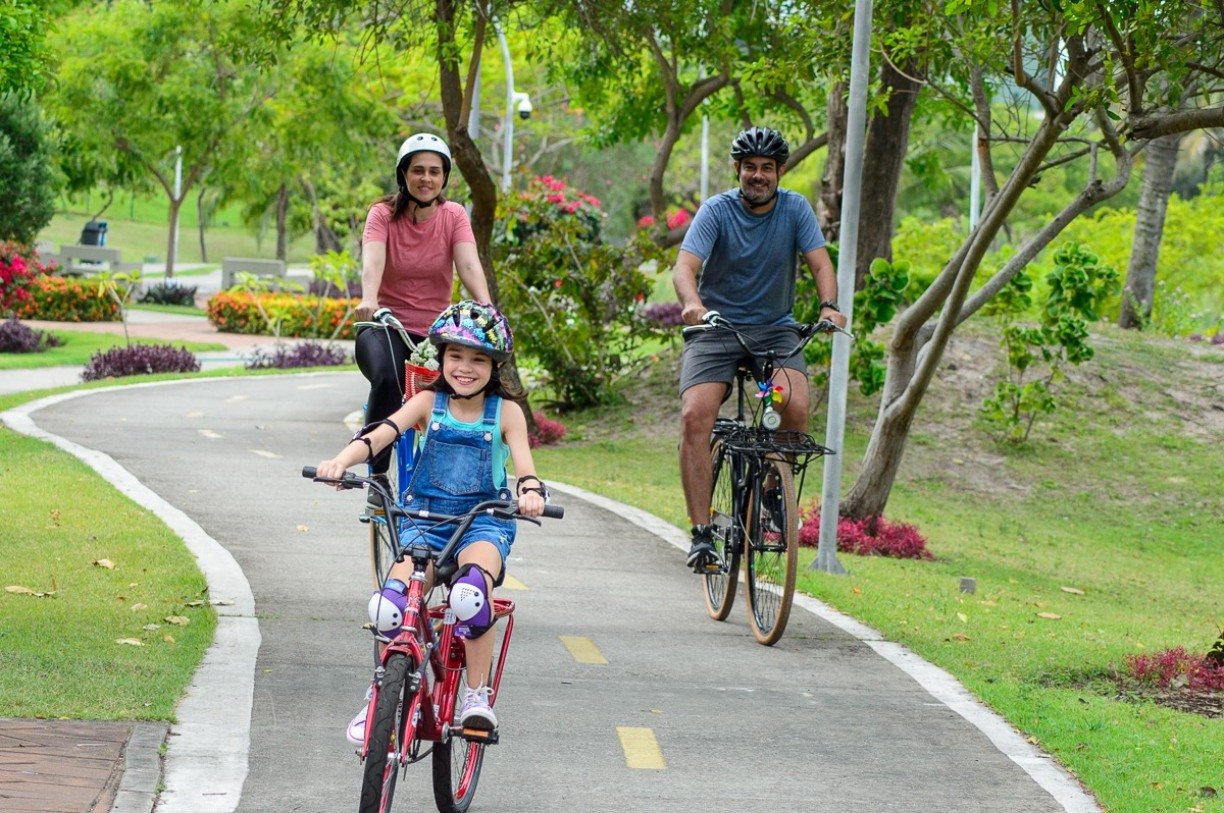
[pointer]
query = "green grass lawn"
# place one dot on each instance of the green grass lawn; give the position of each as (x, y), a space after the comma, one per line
(80, 345)
(141, 241)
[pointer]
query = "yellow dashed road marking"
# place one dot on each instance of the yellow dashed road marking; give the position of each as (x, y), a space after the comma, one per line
(641, 748)
(512, 583)
(208, 433)
(583, 649)
(266, 453)
(316, 386)
(196, 414)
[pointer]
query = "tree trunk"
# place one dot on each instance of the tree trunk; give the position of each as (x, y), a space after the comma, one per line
(1149, 230)
(282, 206)
(201, 222)
(828, 212)
(883, 159)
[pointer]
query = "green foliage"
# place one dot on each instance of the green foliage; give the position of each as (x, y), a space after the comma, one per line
(118, 286)
(575, 301)
(1078, 284)
(24, 58)
(875, 304)
(927, 247)
(28, 184)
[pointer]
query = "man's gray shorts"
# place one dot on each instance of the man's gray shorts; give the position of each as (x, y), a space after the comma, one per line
(711, 356)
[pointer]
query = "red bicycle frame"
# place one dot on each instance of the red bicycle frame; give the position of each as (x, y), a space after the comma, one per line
(432, 699)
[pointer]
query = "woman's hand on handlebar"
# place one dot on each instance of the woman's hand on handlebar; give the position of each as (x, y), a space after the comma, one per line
(365, 310)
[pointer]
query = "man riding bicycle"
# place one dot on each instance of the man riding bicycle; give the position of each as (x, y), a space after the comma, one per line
(738, 258)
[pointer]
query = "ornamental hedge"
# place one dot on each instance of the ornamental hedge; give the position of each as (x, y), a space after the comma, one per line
(66, 299)
(297, 316)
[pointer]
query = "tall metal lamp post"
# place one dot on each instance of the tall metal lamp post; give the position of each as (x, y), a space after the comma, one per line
(514, 101)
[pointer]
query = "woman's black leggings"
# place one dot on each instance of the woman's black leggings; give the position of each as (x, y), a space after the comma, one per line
(380, 357)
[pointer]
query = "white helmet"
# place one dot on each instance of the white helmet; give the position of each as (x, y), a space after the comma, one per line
(422, 142)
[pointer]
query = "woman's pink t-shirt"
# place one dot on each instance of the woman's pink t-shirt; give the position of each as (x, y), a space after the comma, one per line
(420, 270)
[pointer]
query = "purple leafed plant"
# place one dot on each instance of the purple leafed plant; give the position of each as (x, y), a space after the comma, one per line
(140, 359)
(1177, 668)
(302, 354)
(18, 338)
(547, 431)
(872, 536)
(666, 314)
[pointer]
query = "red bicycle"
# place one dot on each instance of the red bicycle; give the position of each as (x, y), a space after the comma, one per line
(412, 710)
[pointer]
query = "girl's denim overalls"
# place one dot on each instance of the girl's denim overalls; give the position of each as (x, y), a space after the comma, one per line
(453, 471)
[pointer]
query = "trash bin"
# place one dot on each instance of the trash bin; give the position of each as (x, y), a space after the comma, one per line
(94, 233)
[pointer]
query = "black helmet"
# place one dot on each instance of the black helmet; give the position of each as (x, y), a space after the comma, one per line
(760, 141)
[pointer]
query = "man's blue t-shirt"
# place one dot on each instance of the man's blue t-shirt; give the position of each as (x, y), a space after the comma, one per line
(748, 260)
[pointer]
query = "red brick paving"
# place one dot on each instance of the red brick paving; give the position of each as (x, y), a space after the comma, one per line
(60, 766)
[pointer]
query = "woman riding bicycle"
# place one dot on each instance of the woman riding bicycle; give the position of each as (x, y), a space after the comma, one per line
(413, 243)
(742, 245)
(470, 427)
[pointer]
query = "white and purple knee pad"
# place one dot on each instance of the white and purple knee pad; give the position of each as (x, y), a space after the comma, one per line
(470, 601)
(387, 608)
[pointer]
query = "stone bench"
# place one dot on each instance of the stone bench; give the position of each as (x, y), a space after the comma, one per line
(80, 260)
(231, 266)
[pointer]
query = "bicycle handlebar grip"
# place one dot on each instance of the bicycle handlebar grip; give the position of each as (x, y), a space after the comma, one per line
(554, 511)
(309, 472)
(380, 315)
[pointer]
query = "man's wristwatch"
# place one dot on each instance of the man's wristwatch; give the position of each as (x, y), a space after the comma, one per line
(828, 303)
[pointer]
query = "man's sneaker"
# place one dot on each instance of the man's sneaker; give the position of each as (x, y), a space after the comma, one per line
(474, 711)
(375, 499)
(356, 727)
(771, 501)
(702, 556)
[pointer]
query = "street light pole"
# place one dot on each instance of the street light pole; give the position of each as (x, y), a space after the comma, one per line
(178, 195)
(508, 121)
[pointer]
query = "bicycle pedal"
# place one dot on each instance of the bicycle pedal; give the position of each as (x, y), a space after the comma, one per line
(479, 735)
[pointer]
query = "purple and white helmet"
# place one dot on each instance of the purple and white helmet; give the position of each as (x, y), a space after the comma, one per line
(473, 324)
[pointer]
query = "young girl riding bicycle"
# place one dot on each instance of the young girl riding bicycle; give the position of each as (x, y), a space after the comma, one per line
(469, 426)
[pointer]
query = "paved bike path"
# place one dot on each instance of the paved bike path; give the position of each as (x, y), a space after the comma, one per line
(819, 722)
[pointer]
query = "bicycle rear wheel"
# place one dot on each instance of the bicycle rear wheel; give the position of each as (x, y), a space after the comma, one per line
(771, 550)
(388, 730)
(456, 767)
(720, 586)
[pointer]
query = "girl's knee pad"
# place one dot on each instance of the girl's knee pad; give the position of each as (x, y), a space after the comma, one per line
(470, 601)
(387, 608)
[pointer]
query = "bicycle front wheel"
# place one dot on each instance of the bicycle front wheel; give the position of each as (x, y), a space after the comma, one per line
(387, 731)
(771, 550)
(720, 586)
(456, 767)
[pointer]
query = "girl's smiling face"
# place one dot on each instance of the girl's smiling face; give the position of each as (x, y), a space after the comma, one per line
(467, 369)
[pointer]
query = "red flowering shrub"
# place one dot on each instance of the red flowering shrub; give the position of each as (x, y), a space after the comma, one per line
(547, 431)
(872, 536)
(1177, 668)
(303, 316)
(19, 267)
(675, 217)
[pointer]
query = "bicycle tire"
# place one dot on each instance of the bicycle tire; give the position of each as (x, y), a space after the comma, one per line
(720, 587)
(380, 771)
(456, 767)
(771, 550)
